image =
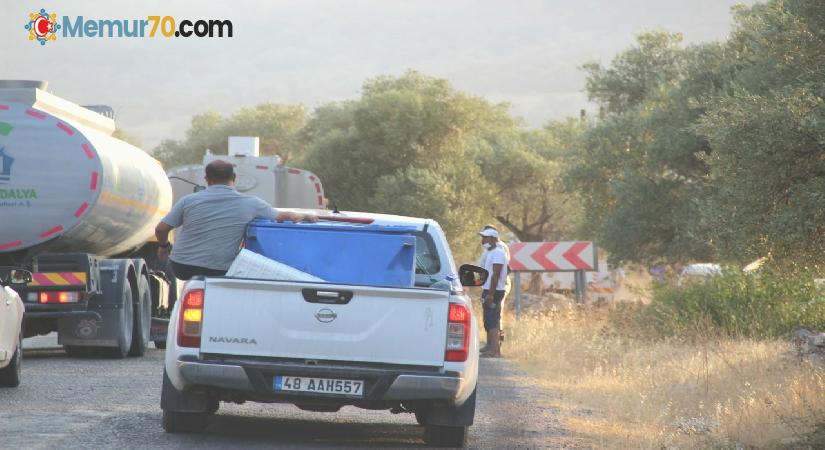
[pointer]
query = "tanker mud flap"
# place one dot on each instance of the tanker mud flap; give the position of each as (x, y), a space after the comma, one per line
(89, 329)
(103, 332)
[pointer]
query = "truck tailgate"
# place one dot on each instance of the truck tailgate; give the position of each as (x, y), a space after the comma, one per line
(322, 321)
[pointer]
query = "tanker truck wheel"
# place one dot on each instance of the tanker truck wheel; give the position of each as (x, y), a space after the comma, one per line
(142, 319)
(125, 326)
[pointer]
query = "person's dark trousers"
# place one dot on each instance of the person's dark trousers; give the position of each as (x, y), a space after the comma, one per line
(185, 271)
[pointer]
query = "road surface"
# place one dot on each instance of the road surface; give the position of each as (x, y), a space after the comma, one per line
(105, 403)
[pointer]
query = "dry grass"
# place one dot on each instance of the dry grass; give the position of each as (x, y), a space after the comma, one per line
(631, 392)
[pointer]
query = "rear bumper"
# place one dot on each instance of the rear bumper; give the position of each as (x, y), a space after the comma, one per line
(63, 315)
(380, 384)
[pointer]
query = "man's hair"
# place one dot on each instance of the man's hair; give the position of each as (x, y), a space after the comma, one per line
(220, 171)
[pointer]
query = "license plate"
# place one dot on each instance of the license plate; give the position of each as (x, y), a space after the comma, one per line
(319, 385)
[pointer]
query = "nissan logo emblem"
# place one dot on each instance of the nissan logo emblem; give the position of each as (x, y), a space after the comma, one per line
(326, 315)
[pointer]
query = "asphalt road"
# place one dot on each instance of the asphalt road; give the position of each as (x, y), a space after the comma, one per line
(70, 403)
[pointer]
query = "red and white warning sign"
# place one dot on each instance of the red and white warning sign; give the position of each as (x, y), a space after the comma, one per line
(559, 256)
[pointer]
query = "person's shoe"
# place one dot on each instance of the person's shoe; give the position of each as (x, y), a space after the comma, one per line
(484, 349)
(490, 355)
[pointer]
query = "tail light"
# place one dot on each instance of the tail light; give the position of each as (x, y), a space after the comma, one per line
(458, 333)
(56, 296)
(191, 319)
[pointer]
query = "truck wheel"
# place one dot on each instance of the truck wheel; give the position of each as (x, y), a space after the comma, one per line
(183, 422)
(160, 344)
(10, 375)
(142, 319)
(444, 436)
(125, 326)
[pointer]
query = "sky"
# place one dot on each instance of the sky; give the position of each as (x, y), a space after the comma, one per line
(527, 53)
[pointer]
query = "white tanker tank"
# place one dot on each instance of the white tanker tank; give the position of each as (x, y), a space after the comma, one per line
(65, 180)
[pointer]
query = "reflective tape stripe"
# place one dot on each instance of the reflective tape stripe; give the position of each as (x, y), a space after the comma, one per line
(51, 231)
(88, 151)
(81, 209)
(93, 184)
(11, 244)
(55, 278)
(74, 277)
(65, 128)
(35, 114)
(58, 279)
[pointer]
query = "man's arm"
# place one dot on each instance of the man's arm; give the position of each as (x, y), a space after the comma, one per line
(162, 234)
(493, 284)
(265, 211)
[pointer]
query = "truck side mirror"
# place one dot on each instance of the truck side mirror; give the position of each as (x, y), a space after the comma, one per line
(20, 276)
(14, 276)
(471, 275)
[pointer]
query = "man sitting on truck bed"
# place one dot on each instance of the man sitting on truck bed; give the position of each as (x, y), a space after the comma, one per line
(212, 224)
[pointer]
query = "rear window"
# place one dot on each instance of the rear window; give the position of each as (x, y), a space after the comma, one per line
(427, 261)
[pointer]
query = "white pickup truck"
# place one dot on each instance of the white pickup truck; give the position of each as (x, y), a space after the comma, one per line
(324, 345)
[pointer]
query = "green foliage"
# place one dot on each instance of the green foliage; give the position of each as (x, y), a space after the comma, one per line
(635, 73)
(453, 195)
(769, 303)
(526, 168)
(278, 127)
(767, 131)
(398, 123)
(639, 170)
(711, 152)
(414, 145)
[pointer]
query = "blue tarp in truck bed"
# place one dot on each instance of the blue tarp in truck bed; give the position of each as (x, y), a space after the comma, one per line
(373, 255)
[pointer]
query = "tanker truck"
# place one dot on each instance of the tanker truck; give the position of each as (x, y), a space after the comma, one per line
(77, 207)
(262, 176)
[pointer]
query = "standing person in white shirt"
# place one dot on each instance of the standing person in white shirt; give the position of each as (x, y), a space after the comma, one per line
(492, 293)
(507, 286)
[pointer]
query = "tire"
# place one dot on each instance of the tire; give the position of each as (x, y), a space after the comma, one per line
(160, 344)
(10, 375)
(184, 422)
(125, 323)
(142, 322)
(444, 436)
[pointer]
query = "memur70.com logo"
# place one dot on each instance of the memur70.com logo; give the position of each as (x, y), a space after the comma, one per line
(44, 27)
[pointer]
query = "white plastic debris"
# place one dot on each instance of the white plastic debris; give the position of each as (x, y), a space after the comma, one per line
(252, 265)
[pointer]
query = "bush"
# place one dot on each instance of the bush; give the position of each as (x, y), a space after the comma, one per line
(769, 303)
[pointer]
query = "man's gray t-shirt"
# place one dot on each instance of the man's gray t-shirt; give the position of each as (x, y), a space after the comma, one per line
(210, 225)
